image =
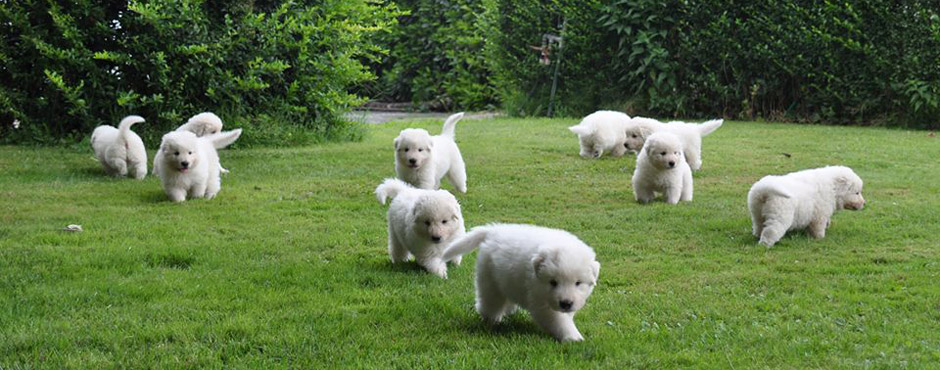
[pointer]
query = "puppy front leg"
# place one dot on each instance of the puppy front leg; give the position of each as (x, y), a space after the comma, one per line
(817, 228)
(559, 325)
(198, 190)
(176, 194)
(435, 265)
(643, 194)
(673, 194)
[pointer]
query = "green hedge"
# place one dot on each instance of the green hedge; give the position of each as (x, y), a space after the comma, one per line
(435, 57)
(280, 69)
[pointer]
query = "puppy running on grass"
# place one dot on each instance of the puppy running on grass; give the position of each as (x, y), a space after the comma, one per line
(420, 224)
(548, 272)
(640, 128)
(803, 199)
(202, 124)
(661, 168)
(120, 150)
(189, 165)
(422, 160)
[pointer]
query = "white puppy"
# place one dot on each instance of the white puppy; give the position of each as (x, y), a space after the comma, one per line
(661, 168)
(202, 124)
(602, 131)
(120, 149)
(189, 165)
(420, 223)
(640, 128)
(422, 160)
(548, 272)
(803, 199)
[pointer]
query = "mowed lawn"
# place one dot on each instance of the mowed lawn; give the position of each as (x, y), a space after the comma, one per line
(288, 266)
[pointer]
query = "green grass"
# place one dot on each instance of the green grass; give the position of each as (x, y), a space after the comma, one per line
(288, 267)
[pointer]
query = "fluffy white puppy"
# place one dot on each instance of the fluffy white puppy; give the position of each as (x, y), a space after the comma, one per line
(602, 132)
(661, 168)
(202, 124)
(691, 134)
(802, 199)
(120, 149)
(422, 160)
(420, 223)
(189, 165)
(548, 272)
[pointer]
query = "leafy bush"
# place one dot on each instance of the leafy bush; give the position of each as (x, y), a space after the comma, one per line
(280, 67)
(435, 57)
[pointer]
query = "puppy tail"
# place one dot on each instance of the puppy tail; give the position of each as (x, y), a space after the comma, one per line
(390, 189)
(450, 125)
(580, 130)
(125, 126)
(224, 139)
(768, 187)
(465, 244)
(709, 126)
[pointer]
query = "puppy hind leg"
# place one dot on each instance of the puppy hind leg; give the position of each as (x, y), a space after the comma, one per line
(772, 232)
(457, 175)
(817, 228)
(559, 325)
(491, 304)
(396, 251)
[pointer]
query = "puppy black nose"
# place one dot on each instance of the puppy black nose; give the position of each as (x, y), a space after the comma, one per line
(672, 164)
(184, 164)
(435, 239)
(412, 161)
(565, 304)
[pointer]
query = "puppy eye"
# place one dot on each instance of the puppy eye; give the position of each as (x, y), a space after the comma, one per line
(427, 223)
(634, 136)
(663, 153)
(444, 222)
(554, 283)
(577, 283)
(190, 152)
(420, 150)
(177, 153)
(213, 132)
(858, 193)
(406, 149)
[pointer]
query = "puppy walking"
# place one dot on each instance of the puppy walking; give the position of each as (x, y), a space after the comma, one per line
(423, 160)
(202, 124)
(803, 199)
(420, 223)
(189, 165)
(640, 128)
(548, 272)
(661, 168)
(602, 132)
(120, 150)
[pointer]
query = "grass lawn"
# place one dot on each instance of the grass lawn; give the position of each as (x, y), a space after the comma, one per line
(288, 265)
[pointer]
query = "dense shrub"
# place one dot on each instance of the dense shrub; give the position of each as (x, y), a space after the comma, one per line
(284, 66)
(435, 57)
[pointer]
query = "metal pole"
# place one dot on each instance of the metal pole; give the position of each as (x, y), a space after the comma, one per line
(561, 50)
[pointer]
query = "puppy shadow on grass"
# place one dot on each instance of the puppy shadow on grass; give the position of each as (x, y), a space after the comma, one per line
(518, 324)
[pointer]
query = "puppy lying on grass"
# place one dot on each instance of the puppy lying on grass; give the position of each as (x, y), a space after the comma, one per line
(420, 224)
(640, 128)
(189, 165)
(602, 132)
(422, 160)
(120, 150)
(661, 168)
(548, 272)
(803, 199)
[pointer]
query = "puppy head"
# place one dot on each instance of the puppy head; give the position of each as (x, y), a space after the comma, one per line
(663, 150)
(437, 217)
(203, 124)
(179, 150)
(413, 147)
(637, 131)
(848, 188)
(565, 276)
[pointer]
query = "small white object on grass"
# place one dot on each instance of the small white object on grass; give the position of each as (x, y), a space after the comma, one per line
(73, 228)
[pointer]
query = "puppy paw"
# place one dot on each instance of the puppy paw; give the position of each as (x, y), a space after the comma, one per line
(576, 337)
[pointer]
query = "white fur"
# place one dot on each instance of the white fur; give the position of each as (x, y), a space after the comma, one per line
(804, 199)
(548, 272)
(423, 160)
(120, 150)
(691, 134)
(202, 124)
(661, 168)
(602, 132)
(189, 165)
(415, 218)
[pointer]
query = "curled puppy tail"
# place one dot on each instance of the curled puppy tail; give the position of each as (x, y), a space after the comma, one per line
(450, 125)
(465, 244)
(124, 127)
(580, 130)
(224, 139)
(768, 187)
(390, 188)
(709, 126)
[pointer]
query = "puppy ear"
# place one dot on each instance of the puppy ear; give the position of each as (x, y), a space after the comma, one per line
(596, 267)
(397, 139)
(538, 262)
